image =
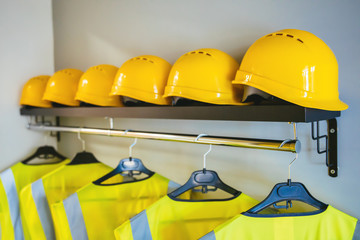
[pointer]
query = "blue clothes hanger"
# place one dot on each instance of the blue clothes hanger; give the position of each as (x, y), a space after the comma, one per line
(127, 167)
(288, 191)
(204, 178)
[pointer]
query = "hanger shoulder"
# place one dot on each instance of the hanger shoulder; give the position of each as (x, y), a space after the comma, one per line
(287, 192)
(83, 158)
(125, 165)
(204, 178)
(45, 152)
(133, 164)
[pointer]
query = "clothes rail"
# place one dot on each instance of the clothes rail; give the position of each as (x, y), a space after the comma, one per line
(267, 144)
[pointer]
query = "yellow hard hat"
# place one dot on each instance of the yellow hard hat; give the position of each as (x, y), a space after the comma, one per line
(33, 92)
(205, 75)
(293, 65)
(143, 78)
(95, 86)
(62, 86)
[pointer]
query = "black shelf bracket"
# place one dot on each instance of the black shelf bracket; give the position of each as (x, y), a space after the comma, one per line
(330, 145)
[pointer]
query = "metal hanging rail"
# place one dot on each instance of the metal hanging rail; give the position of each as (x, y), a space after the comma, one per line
(267, 144)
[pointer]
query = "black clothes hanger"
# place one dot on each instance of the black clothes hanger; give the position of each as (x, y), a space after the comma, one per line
(83, 158)
(128, 167)
(45, 152)
(204, 178)
(288, 191)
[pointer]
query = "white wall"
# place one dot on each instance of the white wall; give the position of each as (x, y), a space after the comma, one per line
(91, 32)
(26, 47)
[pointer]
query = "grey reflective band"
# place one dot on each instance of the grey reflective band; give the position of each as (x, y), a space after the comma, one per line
(172, 186)
(8, 181)
(209, 236)
(42, 207)
(140, 227)
(75, 218)
(356, 235)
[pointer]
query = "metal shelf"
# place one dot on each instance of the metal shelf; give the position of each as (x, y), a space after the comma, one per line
(273, 113)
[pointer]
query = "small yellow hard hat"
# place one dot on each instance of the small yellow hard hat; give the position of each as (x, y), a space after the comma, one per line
(62, 86)
(95, 86)
(293, 65)
(143, 78)
(205, 75)
(33, 92)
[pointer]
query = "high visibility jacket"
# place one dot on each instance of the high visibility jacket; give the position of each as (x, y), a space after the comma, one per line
(330, 224)
(95, 211)
(36, 198)
(12, 181)
(182, 219)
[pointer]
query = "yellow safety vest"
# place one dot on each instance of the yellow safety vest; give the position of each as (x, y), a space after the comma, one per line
(36, 198)
(182, 219)
(330, 224)
(95, 211)
(12, 181)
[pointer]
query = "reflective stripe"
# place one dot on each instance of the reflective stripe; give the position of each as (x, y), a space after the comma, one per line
(356, 235)
(75, 218)
(172, 186)
(8, 181)
(140, 227)
(209, 236)
(42, 207)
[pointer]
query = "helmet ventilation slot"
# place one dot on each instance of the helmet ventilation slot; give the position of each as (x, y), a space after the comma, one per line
(200, 52)
(98, 68)
(144, 59)
(287, 35)
(67, 72)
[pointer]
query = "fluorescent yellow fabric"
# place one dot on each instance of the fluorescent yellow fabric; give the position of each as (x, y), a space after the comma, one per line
(177, 219)
(36, 198)
(330, 224)
(23, 174)
(103, 208)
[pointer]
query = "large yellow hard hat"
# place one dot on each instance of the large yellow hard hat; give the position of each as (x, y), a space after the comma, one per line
(143, 78)
(62, 86)
(205, 75)
(95, 86)
(293, 65)
(33, 92)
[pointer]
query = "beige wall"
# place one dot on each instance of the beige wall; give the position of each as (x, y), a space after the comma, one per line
(91, 32)
(26, 47)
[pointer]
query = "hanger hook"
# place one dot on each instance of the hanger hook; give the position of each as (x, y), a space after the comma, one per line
(296, 155)
(131, 146)
(126, 131)
(210, 146)
(111, 123)
(199, 136)
(82, 140)
(291, 163)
